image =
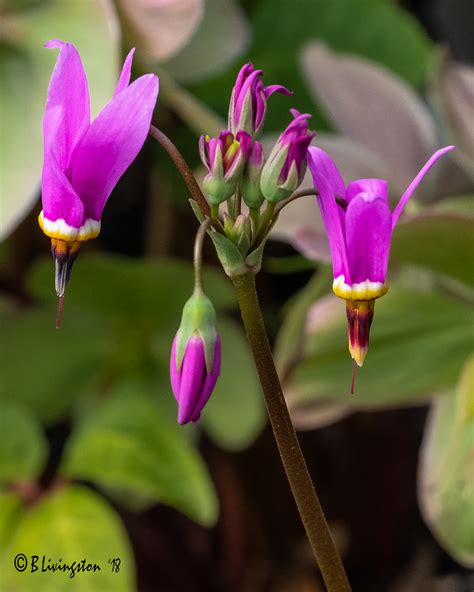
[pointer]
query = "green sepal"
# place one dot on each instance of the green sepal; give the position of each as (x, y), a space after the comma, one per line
(229, 255)
(198, 317)
(218, 189)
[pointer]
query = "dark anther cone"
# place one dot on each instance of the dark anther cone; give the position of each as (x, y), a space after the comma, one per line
(64, 253)
(359, 318)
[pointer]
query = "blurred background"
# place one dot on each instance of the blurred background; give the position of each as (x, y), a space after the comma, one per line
(92, 461)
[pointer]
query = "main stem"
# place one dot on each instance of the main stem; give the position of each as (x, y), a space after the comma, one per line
(302, 487)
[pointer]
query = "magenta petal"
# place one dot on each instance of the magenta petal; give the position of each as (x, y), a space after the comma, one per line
(125, 74)
(329, 212)
(272, 88)
(67, 113)
(327, 167)
(209, 382)
(60, 201)
(193, 373)
(368, 233)
(374, 187)
(416, 181)
(112, 143)
(175, 374)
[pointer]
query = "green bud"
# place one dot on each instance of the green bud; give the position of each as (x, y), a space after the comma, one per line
(198, 317)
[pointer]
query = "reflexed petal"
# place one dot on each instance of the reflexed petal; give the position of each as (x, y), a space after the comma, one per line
(375, 187)
(317, 159)
(193, 374)
(416, 181)
(67, 112)
(327, 167)
(209, 382)
(272, 88)
(124, 79)
(368, 232)
(112, 143)
(175, 373)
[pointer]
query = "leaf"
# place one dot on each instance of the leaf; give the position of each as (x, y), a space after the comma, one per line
(222, 36)
(23, 447)
(358, 94)
(453, 88)
(375, 29)
(26, 68)
(69, 525)
(419, 342)
(131, 289)
(235, 413)
(443, 243)
(446, 478)
(11, 508)
(127, 444)
(229, 255)
(45, 369)
(161, 29)
(291, 335)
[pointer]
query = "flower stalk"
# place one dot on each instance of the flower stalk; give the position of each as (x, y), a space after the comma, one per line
(304, 493)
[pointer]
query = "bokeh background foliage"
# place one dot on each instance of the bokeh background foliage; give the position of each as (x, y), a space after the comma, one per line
(88, 433)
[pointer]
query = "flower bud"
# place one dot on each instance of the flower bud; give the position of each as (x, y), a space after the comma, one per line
(225, 158)
(248, 102)
(250, 184)
(195, 358)
(285, 168)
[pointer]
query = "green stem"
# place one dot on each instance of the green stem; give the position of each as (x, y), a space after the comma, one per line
(182, 167)
(265, 222)
(303, 490)
(198, 241)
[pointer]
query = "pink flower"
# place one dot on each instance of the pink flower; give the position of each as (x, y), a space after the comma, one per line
(82, 160)
(359, 225)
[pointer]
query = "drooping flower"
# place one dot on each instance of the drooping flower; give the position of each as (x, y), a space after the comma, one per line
(359, 225)
(286, 164)
(195, 358)
(248, 102)
(225, 158)
(82, 160)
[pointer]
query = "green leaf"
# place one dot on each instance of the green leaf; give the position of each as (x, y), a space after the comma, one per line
(11, 508)
(290, 337)
(45, 369)
(235, 413)
(376, 29)
(229, 255)
(23, 447)
(133, 290)
(419, 342)
(69, 525)
(26, 68)
(443, 243)
(446, 476)
(127, 444)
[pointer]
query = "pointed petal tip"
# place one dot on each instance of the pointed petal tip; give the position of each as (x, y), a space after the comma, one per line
(53, 43)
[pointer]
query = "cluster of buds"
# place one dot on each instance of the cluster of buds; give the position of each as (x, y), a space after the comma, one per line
(235, 160)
